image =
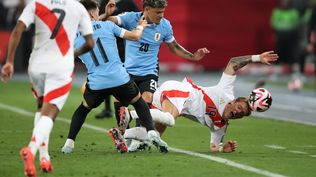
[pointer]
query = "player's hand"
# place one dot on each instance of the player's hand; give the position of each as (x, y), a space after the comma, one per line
(7, 72)
(230, 146)
(200, 53)
(109, 9)
(143, 22)
(268, 57)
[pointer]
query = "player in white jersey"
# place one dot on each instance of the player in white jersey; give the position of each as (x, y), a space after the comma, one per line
(50, 66)
(211, 106)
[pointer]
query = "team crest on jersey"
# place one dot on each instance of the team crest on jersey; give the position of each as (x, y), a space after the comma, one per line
(157, 36)
(221, 101)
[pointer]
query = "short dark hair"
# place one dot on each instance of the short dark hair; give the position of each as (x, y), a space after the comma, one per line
(244, 99)
(90, 4)
(102, 6)
(155, 3)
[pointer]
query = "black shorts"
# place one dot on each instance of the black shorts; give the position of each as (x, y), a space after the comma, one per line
(147, 83)
(124, 93)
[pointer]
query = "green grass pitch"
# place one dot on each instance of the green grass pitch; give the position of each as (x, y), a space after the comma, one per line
(95, 155)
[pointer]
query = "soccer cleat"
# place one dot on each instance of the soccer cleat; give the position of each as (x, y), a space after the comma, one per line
(157, 141)
(45, 165)
(118, 140)
(68, 147)
(124, 118)
(28, 158)
(136, 145)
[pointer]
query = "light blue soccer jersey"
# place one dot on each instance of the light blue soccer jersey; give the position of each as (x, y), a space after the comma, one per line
(141, 57)
(105, 69)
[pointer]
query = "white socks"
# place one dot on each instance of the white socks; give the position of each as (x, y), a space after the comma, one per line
(36, 119)
(158, 116)
(41, 132)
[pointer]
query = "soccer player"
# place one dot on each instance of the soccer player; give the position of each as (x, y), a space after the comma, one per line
(141, 56)
(211, 106)
(107, 76)
(121, 6)
(50, 67)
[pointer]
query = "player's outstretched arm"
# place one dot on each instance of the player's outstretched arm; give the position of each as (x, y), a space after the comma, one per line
(137, 33)
(180, 51)
(8, 68)
(229, 146)
(238, 62)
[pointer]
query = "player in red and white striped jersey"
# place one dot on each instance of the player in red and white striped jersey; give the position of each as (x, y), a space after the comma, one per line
(50, 66)
(211, 106)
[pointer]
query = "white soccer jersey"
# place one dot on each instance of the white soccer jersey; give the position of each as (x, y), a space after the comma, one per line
(56, 23)
(199, 102)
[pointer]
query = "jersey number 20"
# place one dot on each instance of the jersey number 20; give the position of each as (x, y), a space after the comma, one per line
(143, 47)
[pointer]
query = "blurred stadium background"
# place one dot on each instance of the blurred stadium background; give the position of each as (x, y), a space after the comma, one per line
(227, 28)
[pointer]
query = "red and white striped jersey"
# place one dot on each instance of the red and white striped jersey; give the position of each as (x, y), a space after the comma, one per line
(203, 104)
(56, 23)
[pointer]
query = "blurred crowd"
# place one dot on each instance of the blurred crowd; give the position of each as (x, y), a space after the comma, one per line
(293, 21)
(294, 24)
(10, 11)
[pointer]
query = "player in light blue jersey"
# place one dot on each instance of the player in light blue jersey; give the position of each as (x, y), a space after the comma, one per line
(141, 57)
(107, 76)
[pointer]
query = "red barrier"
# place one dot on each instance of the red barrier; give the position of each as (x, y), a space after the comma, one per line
(4, 38)
(227, 28)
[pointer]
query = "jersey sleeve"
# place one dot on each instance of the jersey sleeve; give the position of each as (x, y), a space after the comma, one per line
(28, 14)
(217, 135)
(227, 83)
(85, 26)
(125, 20)
(118, 31)
(169, 33)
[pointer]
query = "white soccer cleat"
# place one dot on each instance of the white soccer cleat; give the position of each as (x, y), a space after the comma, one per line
(136, 145)
(157, 141)
(67, 150)
(69, 146)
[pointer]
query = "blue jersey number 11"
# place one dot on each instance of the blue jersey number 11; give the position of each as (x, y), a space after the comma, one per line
(102, 52)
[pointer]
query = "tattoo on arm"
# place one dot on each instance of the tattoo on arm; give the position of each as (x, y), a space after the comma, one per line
(239, 62)
(182, 51)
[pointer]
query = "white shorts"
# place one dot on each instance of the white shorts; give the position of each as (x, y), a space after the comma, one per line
(53, 87)
(177, 92)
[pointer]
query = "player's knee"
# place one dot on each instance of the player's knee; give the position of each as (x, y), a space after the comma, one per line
(148, 97)
(160, 128)
(85, 104)
(39, 101)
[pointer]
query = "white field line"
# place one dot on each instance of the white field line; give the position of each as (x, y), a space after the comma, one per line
(293, 108)
(291, 151)
(298, 152)
(195, 154)
(273, 146)
(282, 118)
